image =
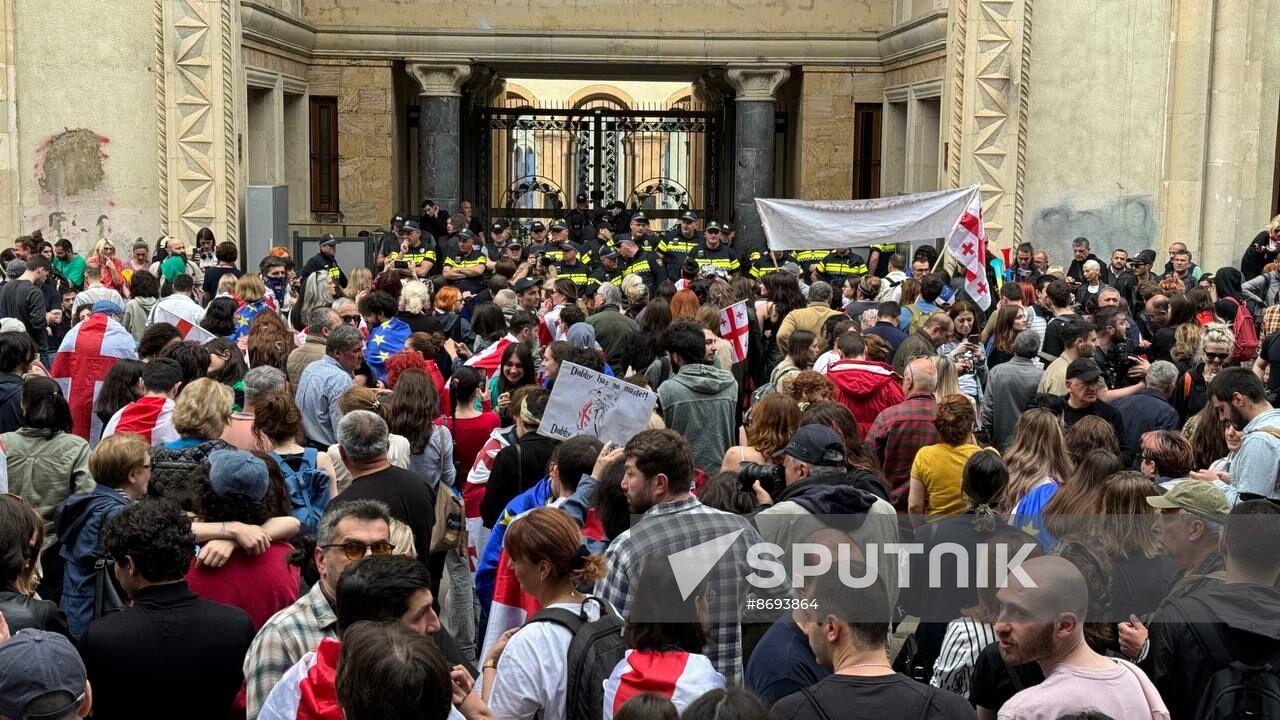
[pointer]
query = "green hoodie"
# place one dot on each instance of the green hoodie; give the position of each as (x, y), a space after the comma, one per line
(698, 402)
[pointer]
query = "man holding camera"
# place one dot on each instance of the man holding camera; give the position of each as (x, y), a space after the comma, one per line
(813, 489)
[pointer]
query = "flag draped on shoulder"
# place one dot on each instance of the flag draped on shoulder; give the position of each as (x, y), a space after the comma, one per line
(490, 358)
(967, 243)
(384, 341)
(733, 327)
(84, 358)
(189, 330)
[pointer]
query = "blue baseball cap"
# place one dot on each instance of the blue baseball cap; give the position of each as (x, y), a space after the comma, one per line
(108, 307)
(238, 472)
(35, 664)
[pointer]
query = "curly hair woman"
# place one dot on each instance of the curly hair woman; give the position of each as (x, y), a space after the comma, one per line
(766, 429)
(938, 469)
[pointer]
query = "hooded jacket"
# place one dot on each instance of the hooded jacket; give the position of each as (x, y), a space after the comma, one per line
(78, 521)
(699, 402)
(10, 402)
(1234, 621)
(852, 503)
(866, 387)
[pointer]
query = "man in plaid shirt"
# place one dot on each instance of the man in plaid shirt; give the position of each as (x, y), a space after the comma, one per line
(659, 472)
(900, 431)
(299, 628)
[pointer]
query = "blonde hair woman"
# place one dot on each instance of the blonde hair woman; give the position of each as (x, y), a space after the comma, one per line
(948, 378)
(1187, 341)
(361, 282)
(200, 414)
(104, 258)
(415, 297)
(1038, 462)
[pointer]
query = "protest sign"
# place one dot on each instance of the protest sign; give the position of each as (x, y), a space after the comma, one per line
(585, 402)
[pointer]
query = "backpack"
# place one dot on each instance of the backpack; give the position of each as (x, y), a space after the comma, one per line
(769, 388)
(1238, 690)
(308, 489)
(449, 531)
(596, 649)
(1246, 347)
(917, 318)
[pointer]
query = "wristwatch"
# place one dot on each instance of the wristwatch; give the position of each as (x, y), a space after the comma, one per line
(489, 664)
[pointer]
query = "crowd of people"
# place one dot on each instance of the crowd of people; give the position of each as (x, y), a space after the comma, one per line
(298, 490)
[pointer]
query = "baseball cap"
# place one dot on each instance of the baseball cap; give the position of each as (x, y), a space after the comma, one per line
(713, 225)
(238, 472)
(790, 267)
(466, 234)
(582, 197)
(1146, 257)
(12, 325)
(524, 284)
(397, 220)
(626, 239)
(640, 217)
(328, 239)
(108, 307)
(816, 445)
(411, 225)
(1194, 496)
(34, 664)
(1084, 369)
(499, 226)
(557, 226)
(537, 227)
(15, 268)
(689, 215)
(608, 253)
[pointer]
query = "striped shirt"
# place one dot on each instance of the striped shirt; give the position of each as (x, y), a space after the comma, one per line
(961, 646)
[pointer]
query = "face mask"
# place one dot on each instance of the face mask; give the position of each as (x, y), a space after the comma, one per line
(614, 212)
(277, 286)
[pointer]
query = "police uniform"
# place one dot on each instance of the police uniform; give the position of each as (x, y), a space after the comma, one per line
(886, 251)
(836, 268)
(762, 263)
(467, 262)
(807, 259)
(674, 247)
(721, 258)
(645, 265)
(415, 256)
(581, 227)
(579, 272)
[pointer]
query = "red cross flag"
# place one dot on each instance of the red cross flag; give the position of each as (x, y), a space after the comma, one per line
(85, 357)
(189, 330)
(733, 327)
(967, 243)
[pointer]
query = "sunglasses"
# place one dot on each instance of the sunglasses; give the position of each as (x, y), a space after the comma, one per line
(351, 319)
(1220, 357)
(354, 549)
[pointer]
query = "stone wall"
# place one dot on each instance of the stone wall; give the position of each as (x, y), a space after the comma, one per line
(84, 83)
(366, 142)
(9, 206)
(824, 125)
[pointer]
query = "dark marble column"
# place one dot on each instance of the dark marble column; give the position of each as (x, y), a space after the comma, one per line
(439, 117)
(755, 105)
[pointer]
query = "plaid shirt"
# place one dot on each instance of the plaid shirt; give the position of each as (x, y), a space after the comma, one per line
(668, 528)
(287, 636)
(896, 435)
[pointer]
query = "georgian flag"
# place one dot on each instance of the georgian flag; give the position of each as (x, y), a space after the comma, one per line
(189, 330)
(490, 358)
(967, 243)
(549, 327)
(733, 327)
(151, 417)
(676, 675)
(84, 358)
(474, 489)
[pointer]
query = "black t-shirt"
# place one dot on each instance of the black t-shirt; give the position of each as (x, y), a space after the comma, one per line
(213, 275)
(1053, 344)
(884, 696)
(1256, 256)
(994, 681)
(1271, 351)
(408, 497)
(1103, 410)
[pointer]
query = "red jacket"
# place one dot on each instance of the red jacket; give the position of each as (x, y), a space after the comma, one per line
(866, 387)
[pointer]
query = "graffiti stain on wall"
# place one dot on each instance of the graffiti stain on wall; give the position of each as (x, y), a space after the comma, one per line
(1127, 222)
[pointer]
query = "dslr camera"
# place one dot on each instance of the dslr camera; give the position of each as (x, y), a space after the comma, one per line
(770, 477)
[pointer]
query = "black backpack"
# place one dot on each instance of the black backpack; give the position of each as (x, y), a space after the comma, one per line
(1239, 690)
(596, 649)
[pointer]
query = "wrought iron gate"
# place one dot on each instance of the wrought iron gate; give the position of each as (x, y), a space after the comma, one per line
(533, 162)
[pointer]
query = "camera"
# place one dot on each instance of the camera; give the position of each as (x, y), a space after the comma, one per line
(770, 478)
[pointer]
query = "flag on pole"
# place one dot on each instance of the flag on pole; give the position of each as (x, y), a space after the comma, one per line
(84, 358)
(967, 243)
(733, 327)
(189, 330)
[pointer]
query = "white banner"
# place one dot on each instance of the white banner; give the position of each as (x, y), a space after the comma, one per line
(823, 224)
(585, 402)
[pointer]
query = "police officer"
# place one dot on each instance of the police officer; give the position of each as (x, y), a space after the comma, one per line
(572, 267)
(608, 268)
(559, 240)
(499, 236)
(467, 267)
(324, 261)
(639, 230)
(416, 255)
(878, 258)
(839, 266)
(618, 217)
(389, 241)
(679, 241)
(808, 260)
(763, 263)
(537, 237)
(637, 261)
(581, 229)
(714, 253)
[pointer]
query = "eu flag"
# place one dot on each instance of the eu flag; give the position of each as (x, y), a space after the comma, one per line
(384, 341)
(245, 315)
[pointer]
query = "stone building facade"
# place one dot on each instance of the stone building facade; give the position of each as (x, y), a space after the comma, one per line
(1134, 122)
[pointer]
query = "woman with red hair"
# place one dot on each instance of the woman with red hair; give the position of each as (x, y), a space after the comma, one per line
(414, 360)
(684, 306)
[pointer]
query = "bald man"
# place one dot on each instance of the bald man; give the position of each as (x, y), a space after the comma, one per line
(900, 431)
(1042, 615)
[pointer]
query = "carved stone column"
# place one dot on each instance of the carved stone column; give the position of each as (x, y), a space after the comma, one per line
(9, 206)
(439, 116)
(197, 56)
(755, 86)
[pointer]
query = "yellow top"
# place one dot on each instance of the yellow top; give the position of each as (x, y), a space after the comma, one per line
(940, 468)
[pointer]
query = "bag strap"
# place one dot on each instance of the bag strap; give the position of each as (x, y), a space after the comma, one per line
(813, 700)
(928, 701)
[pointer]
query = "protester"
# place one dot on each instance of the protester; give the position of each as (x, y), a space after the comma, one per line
(698, 400)
(1009, 386)
(322, 383)
(199, 417)
(900, 431)
(937, 469)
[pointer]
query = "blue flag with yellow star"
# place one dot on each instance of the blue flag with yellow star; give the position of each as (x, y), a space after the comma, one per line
(384, 341)
(245, 315)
